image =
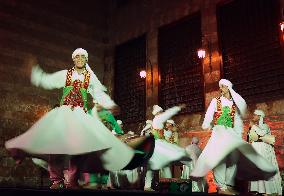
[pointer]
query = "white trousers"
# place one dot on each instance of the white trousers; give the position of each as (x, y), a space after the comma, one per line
(225, 172)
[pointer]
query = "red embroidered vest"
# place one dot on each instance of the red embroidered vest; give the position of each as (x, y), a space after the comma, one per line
(75, 97)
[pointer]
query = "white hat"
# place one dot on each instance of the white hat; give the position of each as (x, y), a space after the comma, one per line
(156, 109)
(97, 84)
(119, 122)
(79, 51)
(226, 83)
(239, 101)
(171, 122)
(261, 115)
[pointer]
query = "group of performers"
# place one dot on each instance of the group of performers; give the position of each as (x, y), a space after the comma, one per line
(91, 142)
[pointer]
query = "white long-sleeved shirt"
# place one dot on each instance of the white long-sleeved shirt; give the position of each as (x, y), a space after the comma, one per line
(212, 108)
(261, 131)
(58, 79)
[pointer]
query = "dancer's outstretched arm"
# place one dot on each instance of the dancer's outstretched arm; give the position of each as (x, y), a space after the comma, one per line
(159, 120)
(56, 80)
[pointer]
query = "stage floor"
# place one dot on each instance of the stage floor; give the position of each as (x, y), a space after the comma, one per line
(85, 192)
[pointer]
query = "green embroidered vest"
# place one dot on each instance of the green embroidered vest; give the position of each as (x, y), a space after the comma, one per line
(224, 115)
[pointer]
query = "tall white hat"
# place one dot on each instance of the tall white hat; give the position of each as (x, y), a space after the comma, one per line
(80, 51)
(156, 109)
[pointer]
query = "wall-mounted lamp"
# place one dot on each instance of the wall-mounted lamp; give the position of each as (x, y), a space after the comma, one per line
(281, 24)
(143, 74)
(149, 74)
(202, 53)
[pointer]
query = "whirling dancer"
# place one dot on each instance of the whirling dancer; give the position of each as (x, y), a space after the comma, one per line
(142, 146)
(226, 153)
(68, 129)
(164, 152)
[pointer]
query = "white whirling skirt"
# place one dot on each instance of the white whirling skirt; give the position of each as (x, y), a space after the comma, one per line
(165, 153)
(223, 142)
(67, 132)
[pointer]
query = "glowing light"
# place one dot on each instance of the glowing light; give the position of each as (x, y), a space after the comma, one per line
(143, 74)
(282, 26)
(201, 53)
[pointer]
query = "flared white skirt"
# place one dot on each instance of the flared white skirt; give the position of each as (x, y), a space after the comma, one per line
(165, 153)
(73, 132)
(222, 143)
